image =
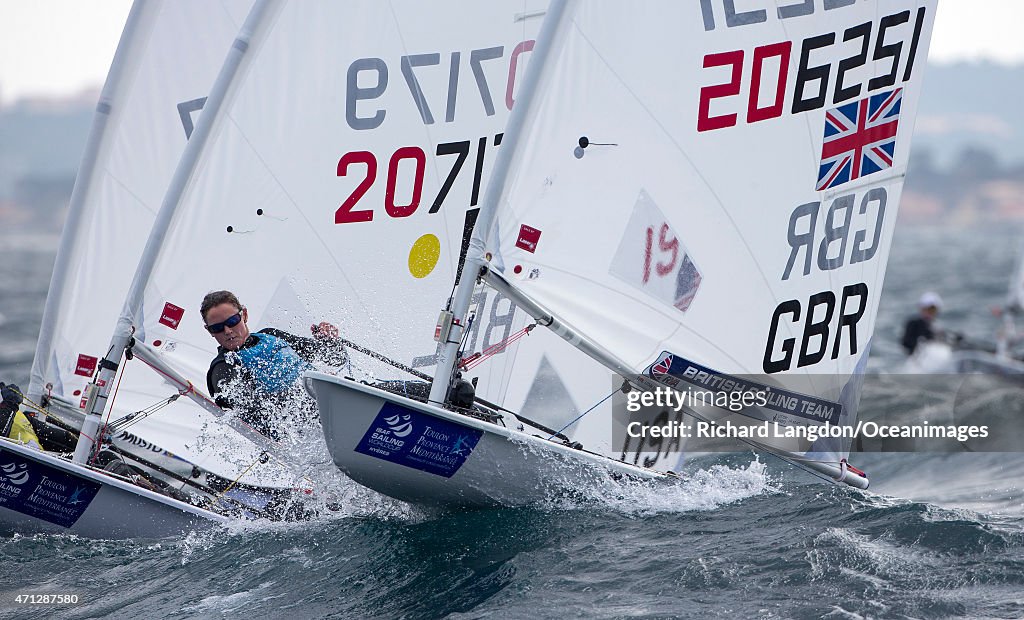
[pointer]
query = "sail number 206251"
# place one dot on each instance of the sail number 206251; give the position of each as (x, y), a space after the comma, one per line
(893, 37)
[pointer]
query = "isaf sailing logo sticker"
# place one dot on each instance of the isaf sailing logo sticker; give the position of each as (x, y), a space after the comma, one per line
(15, 474)
(418, 441)
(399, 425)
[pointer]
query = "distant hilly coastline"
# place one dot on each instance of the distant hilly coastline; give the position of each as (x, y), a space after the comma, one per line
(967, 164)
(972, 105)
(41, 144)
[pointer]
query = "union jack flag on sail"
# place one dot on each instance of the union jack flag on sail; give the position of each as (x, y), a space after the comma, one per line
(663, 365)
(860, 138)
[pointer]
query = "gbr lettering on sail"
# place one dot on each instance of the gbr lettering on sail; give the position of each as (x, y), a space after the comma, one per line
(854, 70)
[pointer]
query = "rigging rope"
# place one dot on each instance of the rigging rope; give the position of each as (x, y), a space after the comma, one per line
(27, 401)
(124, 422)
(40, 409)
(103, 430)
(472, 361)
(577, 418)
(467, 328)
(261, 458)
(187, 386)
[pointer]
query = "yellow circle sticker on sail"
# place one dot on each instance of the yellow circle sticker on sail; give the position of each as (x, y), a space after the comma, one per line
(423, 256)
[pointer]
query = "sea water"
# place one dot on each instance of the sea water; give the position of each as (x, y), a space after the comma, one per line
(938, 536)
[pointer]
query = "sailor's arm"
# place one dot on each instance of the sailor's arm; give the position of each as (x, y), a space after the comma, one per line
(220, 374)
(324, 346)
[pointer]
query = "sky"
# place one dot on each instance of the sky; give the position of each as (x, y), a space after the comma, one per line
(60, 47)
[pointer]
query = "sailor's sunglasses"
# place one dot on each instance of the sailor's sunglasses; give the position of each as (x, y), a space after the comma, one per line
(231, 321)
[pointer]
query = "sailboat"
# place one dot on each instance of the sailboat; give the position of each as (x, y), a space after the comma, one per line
(953, 353)
(144, 117)
(155, 91)
(277, 236)
(1000, 358)
(697, 197)
(311, 224)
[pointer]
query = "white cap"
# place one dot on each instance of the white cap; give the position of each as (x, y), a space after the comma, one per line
(930, 299)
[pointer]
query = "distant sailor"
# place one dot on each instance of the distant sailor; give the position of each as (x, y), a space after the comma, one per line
(921, 327)
(257, 372)
(28, 428)
(13, 423)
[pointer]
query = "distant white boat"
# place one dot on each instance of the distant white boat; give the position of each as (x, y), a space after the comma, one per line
(146, 112)
(1006, 359)
(960, 355)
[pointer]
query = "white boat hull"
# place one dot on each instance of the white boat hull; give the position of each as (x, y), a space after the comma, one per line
(429, 456)
(941, 358)
(42, 493)
(987, 363)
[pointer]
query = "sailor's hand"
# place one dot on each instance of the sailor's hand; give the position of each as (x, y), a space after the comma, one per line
(10, 394)
(324, 331)
(952, 337)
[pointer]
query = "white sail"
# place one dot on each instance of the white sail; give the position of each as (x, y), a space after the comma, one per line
(1015, 296)
(165, 63)
(708, 192)
(337, 178)
(1007, 335)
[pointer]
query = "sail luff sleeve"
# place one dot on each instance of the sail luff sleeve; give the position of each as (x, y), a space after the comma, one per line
(553, 24)
(161, 226)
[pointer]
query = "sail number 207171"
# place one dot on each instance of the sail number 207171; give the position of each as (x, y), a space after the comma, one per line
(893, 36)
(433, 84)
(415, 161)
(372, 113)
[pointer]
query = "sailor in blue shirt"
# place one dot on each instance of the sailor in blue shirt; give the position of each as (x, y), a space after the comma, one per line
(256, 373)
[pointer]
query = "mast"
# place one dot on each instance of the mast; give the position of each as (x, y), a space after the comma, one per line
(105, 108)
(98, 392)
(475, 261)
